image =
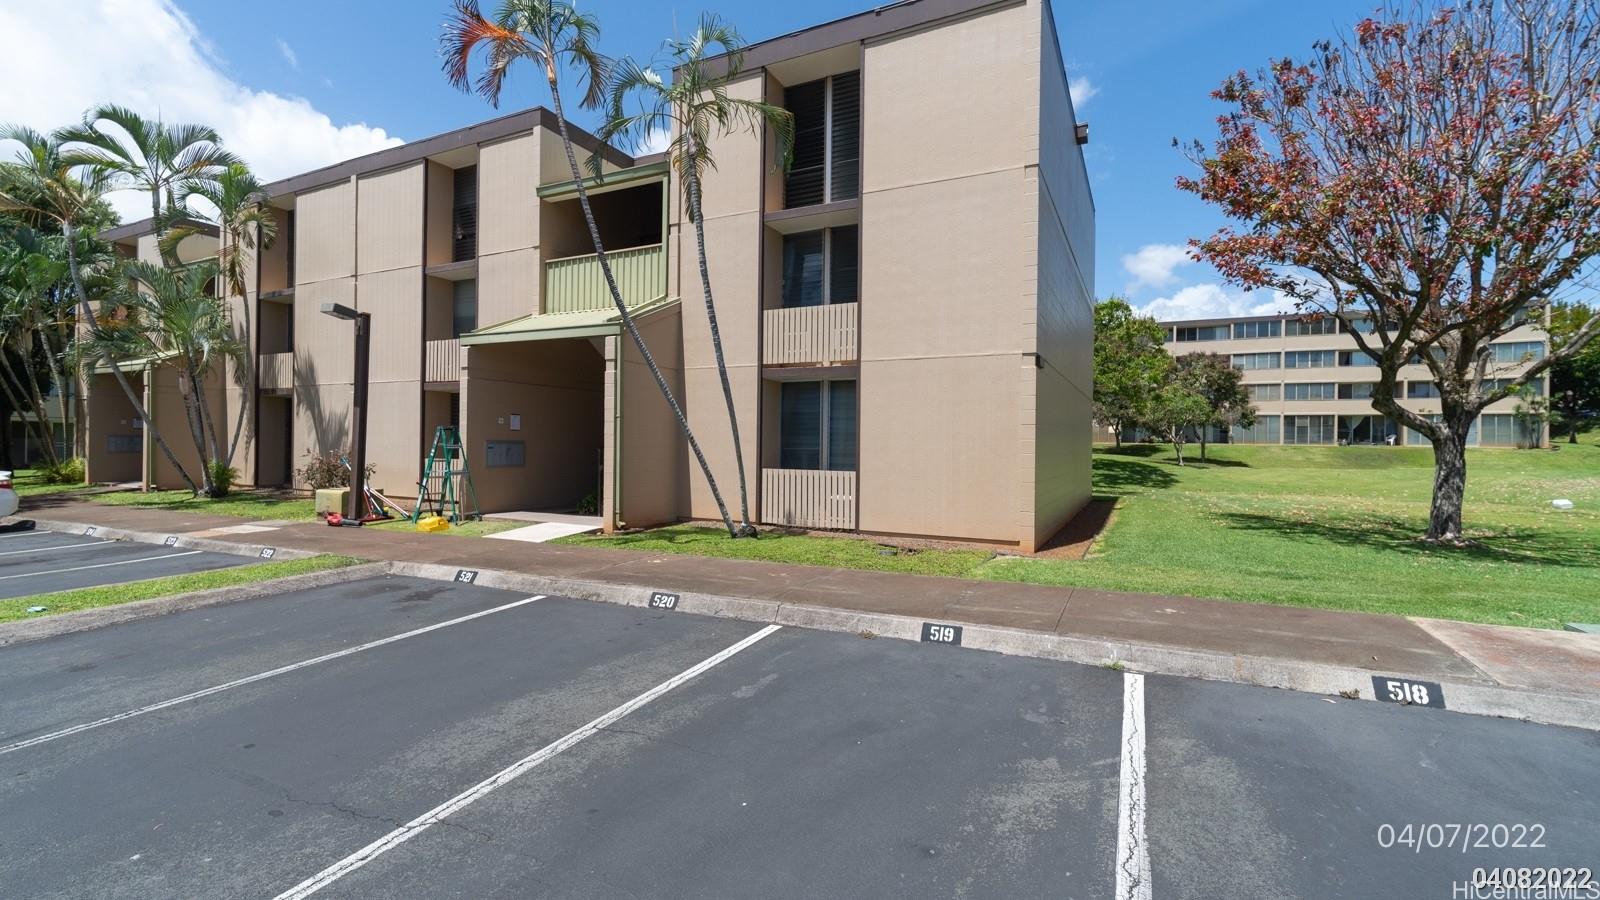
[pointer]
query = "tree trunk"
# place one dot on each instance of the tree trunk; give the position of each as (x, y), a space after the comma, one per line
(195, 413)
(622, 308)
(87, 315)
(692, 177)
(1177, 447)
(8, 378)
(1449, 485)
(41, 409)
(1202, 445)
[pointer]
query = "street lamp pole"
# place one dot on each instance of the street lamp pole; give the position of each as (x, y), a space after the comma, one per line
(358, 412)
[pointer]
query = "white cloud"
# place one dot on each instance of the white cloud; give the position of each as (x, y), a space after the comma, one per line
(1082, 90)
(1208, 301)
(288, 54)
(1153, 264)
(654, 142)
(146, 54)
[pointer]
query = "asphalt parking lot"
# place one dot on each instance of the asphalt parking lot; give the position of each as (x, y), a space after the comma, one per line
(39, 562)
(397, 737)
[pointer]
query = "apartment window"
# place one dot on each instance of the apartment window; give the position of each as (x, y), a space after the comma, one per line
(821, 267)
(1357, 358)
(1266, 430)
(1367, 430)
(1309, 359)
(827, 140)
(1531, 312)
(1252, 361)
(1518, 351)
(1261, 392)
(1363, 325)
(1421, 390)
(463, 307)
(1245, 330)
(1416, 359)
(817, 425)
(1308, 430)
(1494, 384)
(1418, 438)
(1204, 333)
(1362, 390)
(1502, 430)
(1299, 327)
(464, 215)
(1309, 391)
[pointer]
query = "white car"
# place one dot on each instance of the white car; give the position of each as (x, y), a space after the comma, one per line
(8, 497)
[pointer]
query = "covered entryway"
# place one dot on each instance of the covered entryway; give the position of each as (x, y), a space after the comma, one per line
(543, 403)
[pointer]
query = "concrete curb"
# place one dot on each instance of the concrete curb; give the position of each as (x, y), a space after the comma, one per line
(1570, 710)
(99, 617)
(232, 548)
(1573, 710)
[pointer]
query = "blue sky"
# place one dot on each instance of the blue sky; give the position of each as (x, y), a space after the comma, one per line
(371, 68)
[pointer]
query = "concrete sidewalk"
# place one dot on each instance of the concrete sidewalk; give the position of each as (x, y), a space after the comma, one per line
(1493, 656)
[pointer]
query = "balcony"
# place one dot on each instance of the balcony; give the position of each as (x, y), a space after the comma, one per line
(275, 372)
(810, 335)
(443, 360)
(576, 283)
(808, 498)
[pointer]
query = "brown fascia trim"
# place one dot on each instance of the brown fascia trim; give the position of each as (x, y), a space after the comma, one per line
(853, 29)
(139, 229)
(483, 132)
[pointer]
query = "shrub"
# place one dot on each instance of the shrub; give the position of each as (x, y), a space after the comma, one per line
(223, 477)
(589, 505)
(68, 471)
(327, 470)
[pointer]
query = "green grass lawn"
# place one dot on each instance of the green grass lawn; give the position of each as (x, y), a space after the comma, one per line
(1332, 527)
(30, 483)
(112, 594)
(245, 504)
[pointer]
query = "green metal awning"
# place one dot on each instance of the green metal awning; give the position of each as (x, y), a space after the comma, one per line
(555, 326)
(135, 365)
(610, 181)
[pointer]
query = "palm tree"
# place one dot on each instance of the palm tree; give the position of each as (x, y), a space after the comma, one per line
(45, 184)
(25, 277)
(696, 108)
(149, 155)
(172, 314)
(245, 225)
(553, 35)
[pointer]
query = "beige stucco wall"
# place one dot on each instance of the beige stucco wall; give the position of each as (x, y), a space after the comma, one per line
(389, 256)
(732, 212)
(945, 289)
(167, 409)
(1063, 382)
(653, 451)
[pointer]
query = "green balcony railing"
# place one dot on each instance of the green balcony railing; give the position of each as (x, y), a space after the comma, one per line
(575, 283)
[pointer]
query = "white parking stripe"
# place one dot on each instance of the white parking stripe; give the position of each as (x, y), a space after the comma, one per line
(120, 562)
(1133, 854)
(17, 534)
(56, 547)
(262, 676)
(505, 776)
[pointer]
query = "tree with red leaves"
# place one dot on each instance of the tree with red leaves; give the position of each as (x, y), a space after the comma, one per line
(1437, 172)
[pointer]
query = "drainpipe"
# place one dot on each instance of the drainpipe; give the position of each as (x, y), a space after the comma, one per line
(148, 457)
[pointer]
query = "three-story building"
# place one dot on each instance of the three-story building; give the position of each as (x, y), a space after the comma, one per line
(906, 312)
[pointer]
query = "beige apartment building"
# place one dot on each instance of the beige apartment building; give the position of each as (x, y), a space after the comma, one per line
(1311, 384)
(906, 313)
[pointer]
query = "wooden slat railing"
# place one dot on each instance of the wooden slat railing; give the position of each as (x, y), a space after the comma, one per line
(810, 335)
(808, 498)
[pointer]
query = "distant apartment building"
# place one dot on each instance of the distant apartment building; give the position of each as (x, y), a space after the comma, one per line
(1312, 384)
(906, 312)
